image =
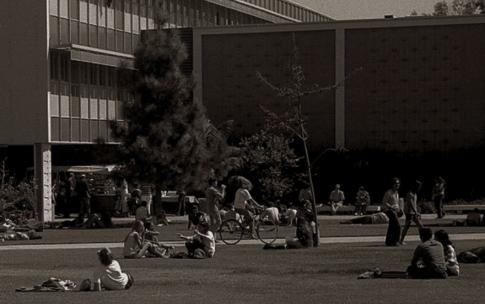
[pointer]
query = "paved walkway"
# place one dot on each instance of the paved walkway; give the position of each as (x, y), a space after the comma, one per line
(323, 240)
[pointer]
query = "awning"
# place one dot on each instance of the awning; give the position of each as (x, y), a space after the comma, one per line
(98, 56)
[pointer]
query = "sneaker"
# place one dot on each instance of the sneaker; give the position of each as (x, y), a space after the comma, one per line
(402, 243)
(366, 275)
(356, 213)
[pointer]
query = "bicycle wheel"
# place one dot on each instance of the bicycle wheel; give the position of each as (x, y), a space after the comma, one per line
(231, 232)
(267, 231)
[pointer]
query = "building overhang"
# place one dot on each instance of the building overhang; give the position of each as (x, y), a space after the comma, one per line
(98, 56)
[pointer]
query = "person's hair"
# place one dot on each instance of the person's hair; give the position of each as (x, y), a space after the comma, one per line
(416, 187)
(204, 225)
(443, 237)
(105, 256)
(144, 203)
(425, 234)
(138, 226)
(211, 181)
(395, 180)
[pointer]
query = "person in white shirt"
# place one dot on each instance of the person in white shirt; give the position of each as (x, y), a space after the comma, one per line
(337, 198)
(202, 244)
(109, 275)
(243, 202)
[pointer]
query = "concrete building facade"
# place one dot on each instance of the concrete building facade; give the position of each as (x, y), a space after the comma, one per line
(61, 61)
(406, 84)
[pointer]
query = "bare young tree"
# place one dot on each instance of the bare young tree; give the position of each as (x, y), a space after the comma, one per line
(294, 119)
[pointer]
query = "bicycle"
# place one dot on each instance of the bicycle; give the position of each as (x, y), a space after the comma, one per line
(233, 229)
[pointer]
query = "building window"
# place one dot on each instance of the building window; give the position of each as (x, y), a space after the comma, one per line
(65, 106)
(53, 31)
(93, 108)
(111, 40)
(83, 11)
(119, 14)
(136, 17)
(102, 109)
(54, 101)
(63, 8)
(102, 37)
(150, 10)
(127, 48)
(93, 36)
(143, 15)
(102, 14)
(75, 32)
(127, 15)
(111, 110)
(119, 41)
(84, 107)
(83, 33)
(74, 9)
(53, 8)
(64, 24)
(93, 12)
(111, 17)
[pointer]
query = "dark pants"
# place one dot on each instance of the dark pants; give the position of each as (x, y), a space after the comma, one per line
(394, 228)
(426, 273)
(438, 204)
(84, 207)
(195, 249)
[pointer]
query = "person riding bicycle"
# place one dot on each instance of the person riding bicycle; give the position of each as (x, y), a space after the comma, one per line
(243, 203)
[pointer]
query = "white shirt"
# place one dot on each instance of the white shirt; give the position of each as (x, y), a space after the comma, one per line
(111, 277)
(209, 242)
(242, 196)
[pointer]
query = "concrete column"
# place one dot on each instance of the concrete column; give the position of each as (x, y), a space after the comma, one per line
(340, 91)
(43, 182)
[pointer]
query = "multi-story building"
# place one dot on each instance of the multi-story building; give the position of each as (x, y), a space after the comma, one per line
(61, 60)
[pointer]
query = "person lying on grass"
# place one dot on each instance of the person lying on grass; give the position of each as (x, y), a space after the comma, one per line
(136, 246)
(202, 244)
(109, 275)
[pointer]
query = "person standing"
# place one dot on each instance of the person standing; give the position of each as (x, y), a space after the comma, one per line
(337, 198)
(214, 197)
(390, 206)
(362, 199)
(438, 196)
(84, 195)
(411, 209)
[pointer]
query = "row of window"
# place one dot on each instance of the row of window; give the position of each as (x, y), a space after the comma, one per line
(79, 130)
(120, 30)
(85, 90)
(289, 9)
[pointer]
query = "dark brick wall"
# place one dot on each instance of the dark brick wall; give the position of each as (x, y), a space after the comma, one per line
(421, 89)
(231, 89)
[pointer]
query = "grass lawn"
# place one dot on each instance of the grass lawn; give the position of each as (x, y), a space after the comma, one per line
(245, 274)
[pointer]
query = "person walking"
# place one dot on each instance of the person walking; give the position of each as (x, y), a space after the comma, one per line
(438, 196)
(411, 209)
(390, 206)
(84, 195)
(214, 197)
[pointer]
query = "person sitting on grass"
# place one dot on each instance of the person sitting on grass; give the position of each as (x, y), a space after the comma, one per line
(109, 275)
(452, 267)
(428, 260)
(202, 244)
(141, 212)
(135, 245)
(304, 230)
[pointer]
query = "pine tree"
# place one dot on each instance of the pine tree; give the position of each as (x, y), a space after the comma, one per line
(164, 140)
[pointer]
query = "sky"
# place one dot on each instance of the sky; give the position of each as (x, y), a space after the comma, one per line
(365, 9)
